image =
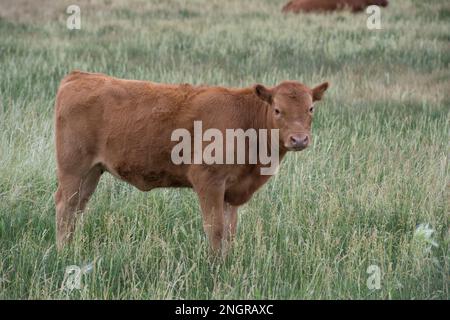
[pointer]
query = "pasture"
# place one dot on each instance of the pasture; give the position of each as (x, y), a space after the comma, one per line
(371, 190)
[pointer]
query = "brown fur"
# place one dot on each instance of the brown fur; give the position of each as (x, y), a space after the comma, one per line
(124, 127)
(297, 6)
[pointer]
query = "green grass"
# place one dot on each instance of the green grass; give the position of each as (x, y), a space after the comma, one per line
(377, 169)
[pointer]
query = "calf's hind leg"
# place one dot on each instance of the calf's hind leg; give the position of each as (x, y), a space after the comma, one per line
(71, 198)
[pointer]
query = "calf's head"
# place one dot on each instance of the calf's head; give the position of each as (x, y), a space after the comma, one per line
(291, 111)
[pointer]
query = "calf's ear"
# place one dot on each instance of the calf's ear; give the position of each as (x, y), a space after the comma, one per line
(263, 93)
(318, 91)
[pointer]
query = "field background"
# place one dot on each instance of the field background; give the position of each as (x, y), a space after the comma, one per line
(377, 169)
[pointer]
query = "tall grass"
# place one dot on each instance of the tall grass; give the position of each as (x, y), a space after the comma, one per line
(377, 169)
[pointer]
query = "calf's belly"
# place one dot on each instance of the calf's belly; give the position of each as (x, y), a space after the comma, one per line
(144, 167)
(147, 177)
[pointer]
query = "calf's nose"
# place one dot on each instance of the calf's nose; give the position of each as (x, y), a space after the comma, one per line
(299, 140)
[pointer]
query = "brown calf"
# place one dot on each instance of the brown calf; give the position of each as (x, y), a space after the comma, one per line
(125, 127)
(297, 6)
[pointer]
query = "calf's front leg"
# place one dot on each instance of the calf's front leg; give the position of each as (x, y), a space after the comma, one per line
(230, 225)
(230, 217)
(211, 195)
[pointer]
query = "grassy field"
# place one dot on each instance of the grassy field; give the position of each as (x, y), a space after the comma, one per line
(378, 167)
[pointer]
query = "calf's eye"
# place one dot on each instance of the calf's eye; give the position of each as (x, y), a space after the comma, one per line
(277, 111)
(311, 109)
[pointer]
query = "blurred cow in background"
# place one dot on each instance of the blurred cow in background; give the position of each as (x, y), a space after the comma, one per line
(297, 6)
